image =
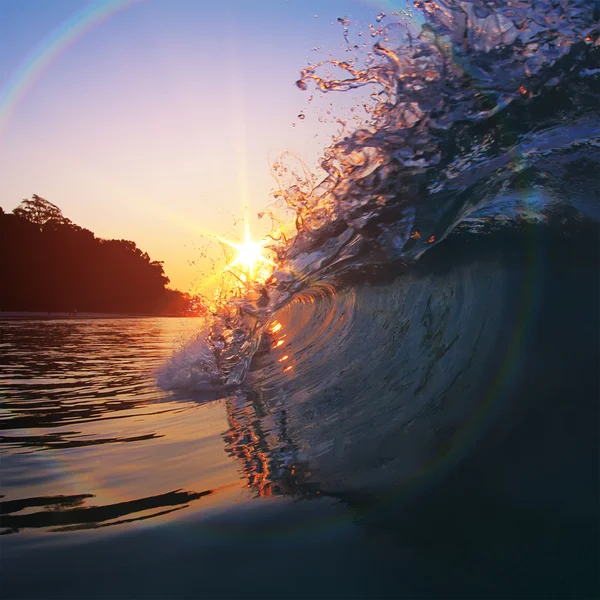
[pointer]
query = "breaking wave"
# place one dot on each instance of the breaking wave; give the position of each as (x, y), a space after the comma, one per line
(485, 116)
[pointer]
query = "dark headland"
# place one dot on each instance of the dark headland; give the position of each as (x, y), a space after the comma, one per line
(52, 268)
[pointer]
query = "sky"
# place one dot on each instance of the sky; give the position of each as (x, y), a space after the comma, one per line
(157, 120)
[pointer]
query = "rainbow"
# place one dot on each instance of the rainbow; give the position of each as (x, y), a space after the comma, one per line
(50, 48)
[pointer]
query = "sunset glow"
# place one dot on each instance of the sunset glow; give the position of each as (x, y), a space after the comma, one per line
(250, 259)
(146, 135)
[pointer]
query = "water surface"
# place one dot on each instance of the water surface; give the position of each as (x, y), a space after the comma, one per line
(436, 436)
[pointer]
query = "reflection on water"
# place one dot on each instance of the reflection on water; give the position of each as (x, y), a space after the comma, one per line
(88, 439)
(67, 514)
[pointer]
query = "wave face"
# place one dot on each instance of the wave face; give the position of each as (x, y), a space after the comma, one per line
(485, 112)
(396, 373)
(451, 405)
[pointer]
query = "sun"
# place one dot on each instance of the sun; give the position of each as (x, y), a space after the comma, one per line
(250, 257)
(249, 254)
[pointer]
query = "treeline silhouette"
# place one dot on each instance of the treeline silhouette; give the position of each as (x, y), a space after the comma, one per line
(47, 263)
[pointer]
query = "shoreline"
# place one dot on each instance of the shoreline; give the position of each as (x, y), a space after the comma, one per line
(49, 316)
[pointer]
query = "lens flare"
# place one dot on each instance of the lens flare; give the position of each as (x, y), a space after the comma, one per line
(250, 260)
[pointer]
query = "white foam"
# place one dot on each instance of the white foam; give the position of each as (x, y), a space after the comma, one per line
(193, 367)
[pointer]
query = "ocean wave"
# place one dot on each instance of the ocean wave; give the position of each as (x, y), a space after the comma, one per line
(396, 373)
(486, 113)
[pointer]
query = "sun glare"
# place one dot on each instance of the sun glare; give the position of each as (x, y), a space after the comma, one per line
(249, 254)
(250, 257)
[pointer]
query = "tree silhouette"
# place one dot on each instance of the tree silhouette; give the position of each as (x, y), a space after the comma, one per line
(47, 263)
(39, 211)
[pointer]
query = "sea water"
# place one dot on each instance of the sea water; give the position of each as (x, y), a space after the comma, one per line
(406, 407)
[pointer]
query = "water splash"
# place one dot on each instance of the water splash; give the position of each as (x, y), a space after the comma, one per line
(474, 101)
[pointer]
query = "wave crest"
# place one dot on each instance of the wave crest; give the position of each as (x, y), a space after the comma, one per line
(482, 101)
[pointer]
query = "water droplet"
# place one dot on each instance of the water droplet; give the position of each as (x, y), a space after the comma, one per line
(293, 124)
(380, 17)
(301, 116)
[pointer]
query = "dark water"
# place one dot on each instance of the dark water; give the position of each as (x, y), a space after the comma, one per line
(408, 407)
(446, 447)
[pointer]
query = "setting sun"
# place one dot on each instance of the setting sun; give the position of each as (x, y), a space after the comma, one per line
(249, 256)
